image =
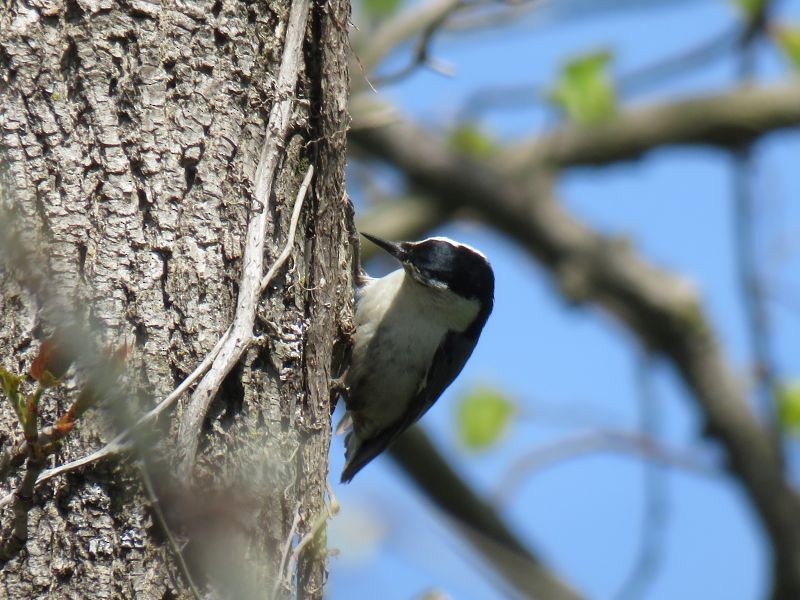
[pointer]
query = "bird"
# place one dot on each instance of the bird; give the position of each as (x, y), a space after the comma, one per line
(415, 328)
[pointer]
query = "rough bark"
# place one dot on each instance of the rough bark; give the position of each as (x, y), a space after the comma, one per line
(131, 133)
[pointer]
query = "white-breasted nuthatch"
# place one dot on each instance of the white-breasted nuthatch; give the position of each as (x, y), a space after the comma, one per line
(415, 329)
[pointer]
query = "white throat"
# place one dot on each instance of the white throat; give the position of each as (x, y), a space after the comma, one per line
(402, 294)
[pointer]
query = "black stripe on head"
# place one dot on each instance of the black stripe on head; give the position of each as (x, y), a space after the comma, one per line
(464, 270)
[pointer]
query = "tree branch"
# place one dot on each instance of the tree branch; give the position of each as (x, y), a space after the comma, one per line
(656, 495)
(752, 288)
(726, 119)
(401, 28)
(638, 445)
(480, 523)
(14, 540)
(422, 52)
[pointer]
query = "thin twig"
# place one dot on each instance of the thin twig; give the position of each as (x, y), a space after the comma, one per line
(401, 28)
(215, 377)
(253, 261)
(287, 547)
(422, 53)
(287, 248)
(681, 63)
(331, 509)
(155, 505)
(655, 493)
(527, 95)
(750, 280)
(624, 442)
(121, 442)
(751, 286)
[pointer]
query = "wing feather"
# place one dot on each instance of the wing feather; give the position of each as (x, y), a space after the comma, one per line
(449, 360)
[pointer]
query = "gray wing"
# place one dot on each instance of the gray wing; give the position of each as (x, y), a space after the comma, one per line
(447, 363)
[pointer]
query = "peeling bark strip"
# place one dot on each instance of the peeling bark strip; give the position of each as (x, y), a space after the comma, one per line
(132, 133)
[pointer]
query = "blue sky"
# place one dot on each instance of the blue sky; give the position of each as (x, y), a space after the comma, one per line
(571, 369)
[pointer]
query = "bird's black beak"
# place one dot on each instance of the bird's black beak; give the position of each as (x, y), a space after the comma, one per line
(392, 248)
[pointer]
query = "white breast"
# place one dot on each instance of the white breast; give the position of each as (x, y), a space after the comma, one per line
(399, 326)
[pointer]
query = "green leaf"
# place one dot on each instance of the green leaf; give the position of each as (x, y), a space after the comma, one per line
(749, 8)
(788, 39)
(483, 416)
(31, 413)
(584, 90)
(377, 9)
(471, 140)
(10, 384)
(789, 405)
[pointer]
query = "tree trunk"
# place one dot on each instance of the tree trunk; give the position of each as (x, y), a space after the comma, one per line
(130, 133)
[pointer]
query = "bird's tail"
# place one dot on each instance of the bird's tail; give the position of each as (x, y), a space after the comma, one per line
(359, 452)
(351, 444)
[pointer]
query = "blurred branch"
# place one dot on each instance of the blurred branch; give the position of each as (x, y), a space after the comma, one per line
(421, 55)
(426, 21)
(592, 442)
(521, 96)
(662, 310)
(406, 218)
(512, 96)
(750, 282)
(400, 29)
(655, 492)
(715, 47)
(498, 13)
(752, 287)
(725, 120)
(681, 63)
(481, 524)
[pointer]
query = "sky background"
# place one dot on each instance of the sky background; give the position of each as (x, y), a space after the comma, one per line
(571, 370)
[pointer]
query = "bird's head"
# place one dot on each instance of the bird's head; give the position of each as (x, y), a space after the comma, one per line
(442, 263)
